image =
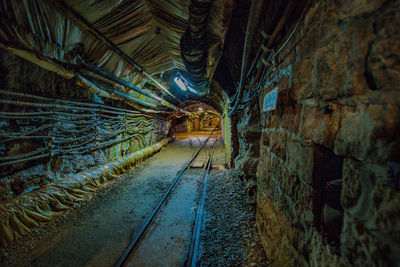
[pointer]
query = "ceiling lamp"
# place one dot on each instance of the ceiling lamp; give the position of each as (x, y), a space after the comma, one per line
(192, 90)
(180, 83)
(183, 84)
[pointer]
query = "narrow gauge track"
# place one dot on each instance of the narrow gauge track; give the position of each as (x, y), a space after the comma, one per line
(192, 255)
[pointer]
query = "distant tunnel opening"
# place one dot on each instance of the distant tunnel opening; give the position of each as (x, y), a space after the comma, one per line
(201, 118)
(302, 99)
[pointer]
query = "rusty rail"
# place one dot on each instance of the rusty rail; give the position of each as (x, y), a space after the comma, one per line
(142, 228)
(192, 257)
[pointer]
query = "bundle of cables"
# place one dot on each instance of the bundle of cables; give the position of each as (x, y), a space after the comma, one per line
(61, 127)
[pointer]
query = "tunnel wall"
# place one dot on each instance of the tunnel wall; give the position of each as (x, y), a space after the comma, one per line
(249, 132)
(22, 214)
(336, 123)
(228, 136)
(18, 75)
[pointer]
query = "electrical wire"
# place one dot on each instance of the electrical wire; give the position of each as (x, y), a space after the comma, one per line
(69, 128)
(271, 58)
(126, 111)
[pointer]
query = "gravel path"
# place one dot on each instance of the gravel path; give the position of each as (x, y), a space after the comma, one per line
(96, 232)
(230, 236)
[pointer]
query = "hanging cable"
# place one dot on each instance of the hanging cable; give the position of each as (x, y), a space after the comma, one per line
(271, 58)
(255, 10)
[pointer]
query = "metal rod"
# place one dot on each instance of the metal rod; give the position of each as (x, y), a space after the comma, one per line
(48, 64)
(46, 105)
(25, 159)
(132, 101)
(255, 9)
(194, 247)
(285, 16)
(82, 22)
(271, 39)
(148, 220)
(112, 110)
(116, 79)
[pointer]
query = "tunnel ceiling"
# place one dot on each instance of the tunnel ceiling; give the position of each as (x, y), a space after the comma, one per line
(60, 35)
(111, 47)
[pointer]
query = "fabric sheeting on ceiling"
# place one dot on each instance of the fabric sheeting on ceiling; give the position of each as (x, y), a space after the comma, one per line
(149, 31)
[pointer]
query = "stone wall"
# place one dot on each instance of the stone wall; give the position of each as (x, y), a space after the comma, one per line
(18, 75)
(249, 131)
(328, 174)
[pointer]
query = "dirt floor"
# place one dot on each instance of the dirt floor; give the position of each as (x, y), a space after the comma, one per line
(97, 232)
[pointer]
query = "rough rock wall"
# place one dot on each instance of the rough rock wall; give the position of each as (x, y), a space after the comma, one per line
(249, 133)
(328, 175)
(18, 75)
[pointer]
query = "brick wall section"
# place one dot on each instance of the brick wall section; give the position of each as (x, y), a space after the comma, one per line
(342, 97)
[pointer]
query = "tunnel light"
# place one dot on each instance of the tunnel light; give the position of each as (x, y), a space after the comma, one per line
(200, 109)
(192, 90)
(184, 84)
(180, 83)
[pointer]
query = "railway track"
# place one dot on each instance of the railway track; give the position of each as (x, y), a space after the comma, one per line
(193, 252)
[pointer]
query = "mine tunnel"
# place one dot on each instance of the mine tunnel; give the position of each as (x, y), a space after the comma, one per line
(199, 133)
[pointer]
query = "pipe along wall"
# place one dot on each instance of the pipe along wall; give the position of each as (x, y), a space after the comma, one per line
(51, 129)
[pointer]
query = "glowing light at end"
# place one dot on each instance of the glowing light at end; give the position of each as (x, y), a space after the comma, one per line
(200, 109)
(180, 83)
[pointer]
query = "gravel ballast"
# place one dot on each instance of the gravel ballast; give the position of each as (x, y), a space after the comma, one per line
(229, 237)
